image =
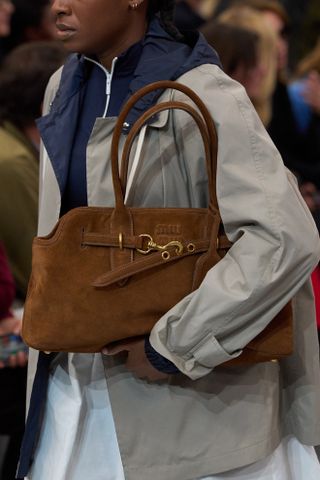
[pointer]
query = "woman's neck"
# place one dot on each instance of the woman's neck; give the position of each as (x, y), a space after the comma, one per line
(123, 44)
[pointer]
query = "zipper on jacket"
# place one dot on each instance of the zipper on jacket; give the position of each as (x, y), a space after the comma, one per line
(109, 76)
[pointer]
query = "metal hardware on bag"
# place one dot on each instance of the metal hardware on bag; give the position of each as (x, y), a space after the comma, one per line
(165, 255)
(191, 247)
(274, 360)
(151, 246)
(121, 241)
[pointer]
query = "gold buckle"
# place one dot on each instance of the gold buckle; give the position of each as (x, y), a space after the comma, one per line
(153, 246)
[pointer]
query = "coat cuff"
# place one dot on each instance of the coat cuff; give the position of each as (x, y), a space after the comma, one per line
(200, 360)
(158, 361)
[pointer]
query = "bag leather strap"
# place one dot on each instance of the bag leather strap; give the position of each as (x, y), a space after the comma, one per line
(145, 263)
(121, 220)
(132, 241)
(206, 127)
(173, 105)
(142, 264)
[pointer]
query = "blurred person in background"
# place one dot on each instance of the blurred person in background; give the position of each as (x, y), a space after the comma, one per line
(299, 149)
(31, 21)
(6, 11)
(238, 51)
(236, 47)
(7, 290)
(23, 78)
(12, 378)
(247, 49)
(304, 95)
(277, 18)
(296, 138)
(223, 5)
(188, 14)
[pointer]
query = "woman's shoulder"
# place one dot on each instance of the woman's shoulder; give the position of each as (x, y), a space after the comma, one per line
(226, 99)
(208, 80)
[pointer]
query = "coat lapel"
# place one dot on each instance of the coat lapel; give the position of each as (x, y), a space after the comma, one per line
(58, 127)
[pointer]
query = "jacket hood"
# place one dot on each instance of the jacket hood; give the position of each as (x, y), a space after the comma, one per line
(162, 58)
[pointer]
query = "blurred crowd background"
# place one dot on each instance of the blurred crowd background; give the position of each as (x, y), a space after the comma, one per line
(271, 47)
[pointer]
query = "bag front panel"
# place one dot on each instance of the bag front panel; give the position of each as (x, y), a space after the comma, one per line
(62, 297)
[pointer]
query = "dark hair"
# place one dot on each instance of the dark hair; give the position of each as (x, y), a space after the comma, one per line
(24, 75)
(165, 10)
(26, 20)
(234, 45)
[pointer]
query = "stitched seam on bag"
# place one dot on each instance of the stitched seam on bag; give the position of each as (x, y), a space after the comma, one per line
(48, 242)
(43, 241)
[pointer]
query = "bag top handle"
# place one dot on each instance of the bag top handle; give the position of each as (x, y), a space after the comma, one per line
(203, 131)
(205, 124)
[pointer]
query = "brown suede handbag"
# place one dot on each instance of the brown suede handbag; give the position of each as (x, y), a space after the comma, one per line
(107, 274)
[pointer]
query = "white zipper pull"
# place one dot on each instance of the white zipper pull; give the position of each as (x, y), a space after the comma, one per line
(109, 76)
(108, 85)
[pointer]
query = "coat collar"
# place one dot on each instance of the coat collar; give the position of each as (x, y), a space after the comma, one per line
(162, 58)
(58, 127)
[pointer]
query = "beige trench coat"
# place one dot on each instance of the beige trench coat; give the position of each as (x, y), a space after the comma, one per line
(210, 419)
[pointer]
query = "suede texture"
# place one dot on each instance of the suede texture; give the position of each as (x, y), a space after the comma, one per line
(71, 304)
(65, 312)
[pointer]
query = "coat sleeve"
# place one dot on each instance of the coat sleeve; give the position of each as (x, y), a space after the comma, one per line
(276, 244)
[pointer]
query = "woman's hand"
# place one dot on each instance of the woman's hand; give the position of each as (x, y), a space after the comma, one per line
(137, 362)
(12, 325)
